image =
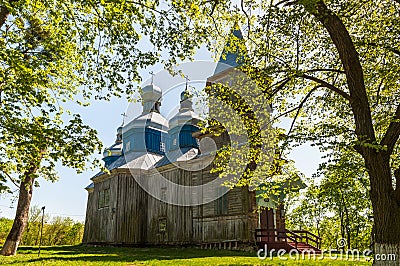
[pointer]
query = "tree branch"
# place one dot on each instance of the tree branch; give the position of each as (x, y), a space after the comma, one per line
(281, 83)
(247, 17)
(286, 2)
(351, 64)
(301, 106)
(323, 83)
(378, 92)
(325, 70)
(327, 85)
(391, 49)
(11, 178)
(392, 133)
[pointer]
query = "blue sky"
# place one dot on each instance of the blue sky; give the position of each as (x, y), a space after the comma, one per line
(67, 196)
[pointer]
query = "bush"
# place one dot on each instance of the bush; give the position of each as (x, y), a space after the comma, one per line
(57, 231)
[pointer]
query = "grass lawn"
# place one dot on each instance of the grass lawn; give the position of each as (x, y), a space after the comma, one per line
(82, 255)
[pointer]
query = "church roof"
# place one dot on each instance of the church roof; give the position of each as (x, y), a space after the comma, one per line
(91, 185)
(179, 155)
(152, 119)
(115, 164)
(151, 92)
(134, 160)
(141, 160)
(184, 116)
(113, 150)
(228, 58)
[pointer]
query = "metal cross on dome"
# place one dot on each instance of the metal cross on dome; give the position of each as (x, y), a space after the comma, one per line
(123, 118)
(152, 76)
(187, 81)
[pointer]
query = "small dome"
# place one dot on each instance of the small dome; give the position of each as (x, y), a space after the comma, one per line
(185, 95)
(114, 150)
(151, 93)
(186, 114)
(119, 135)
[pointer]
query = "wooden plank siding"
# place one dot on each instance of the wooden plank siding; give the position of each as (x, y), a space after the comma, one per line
(134, 217)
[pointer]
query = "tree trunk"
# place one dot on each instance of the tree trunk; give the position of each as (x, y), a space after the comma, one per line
(4, 12)
(21, 216)
(385, 199)
(386, 211)
(25, 240)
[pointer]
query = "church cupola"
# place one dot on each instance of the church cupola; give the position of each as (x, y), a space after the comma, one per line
(119, 134)
(112, 153)
(184, 124)
(148, 131)
(186, 101)
(151, 98)
(186, 114)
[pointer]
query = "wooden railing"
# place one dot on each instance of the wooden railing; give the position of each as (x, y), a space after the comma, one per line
(277, 235)
(309, 237)
(285, 235)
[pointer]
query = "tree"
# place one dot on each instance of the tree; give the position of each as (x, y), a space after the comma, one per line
(309, 212)
(58, 52)
(334, 70)
(345, 189)
(337, 206)
(56, 231)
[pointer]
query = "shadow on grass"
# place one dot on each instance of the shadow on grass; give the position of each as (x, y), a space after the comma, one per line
(124, 254)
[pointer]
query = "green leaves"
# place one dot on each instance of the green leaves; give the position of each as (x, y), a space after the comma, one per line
(55, 53)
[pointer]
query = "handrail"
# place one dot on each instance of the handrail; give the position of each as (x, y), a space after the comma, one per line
(293, 233)
(308, 232)
(278, 233)
(316, 239)
(288, 234)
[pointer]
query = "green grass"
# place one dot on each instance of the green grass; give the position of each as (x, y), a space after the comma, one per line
(82, 255)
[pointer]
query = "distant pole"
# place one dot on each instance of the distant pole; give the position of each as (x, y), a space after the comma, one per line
(41, 230)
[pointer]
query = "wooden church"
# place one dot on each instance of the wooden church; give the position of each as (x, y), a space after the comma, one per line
(120, 211)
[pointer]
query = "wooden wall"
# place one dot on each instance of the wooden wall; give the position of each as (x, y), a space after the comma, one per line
(99, 221)
(134, 216)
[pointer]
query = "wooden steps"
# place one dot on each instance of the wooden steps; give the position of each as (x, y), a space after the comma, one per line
(288, 240)
(304, 247)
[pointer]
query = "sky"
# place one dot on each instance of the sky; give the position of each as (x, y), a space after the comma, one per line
(67, 196)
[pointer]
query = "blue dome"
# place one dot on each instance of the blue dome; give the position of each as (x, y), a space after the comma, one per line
(185, 95)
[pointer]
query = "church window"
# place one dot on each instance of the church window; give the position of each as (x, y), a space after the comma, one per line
(162, 146)
(104, 198)
(128, 146)
(221, 203)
